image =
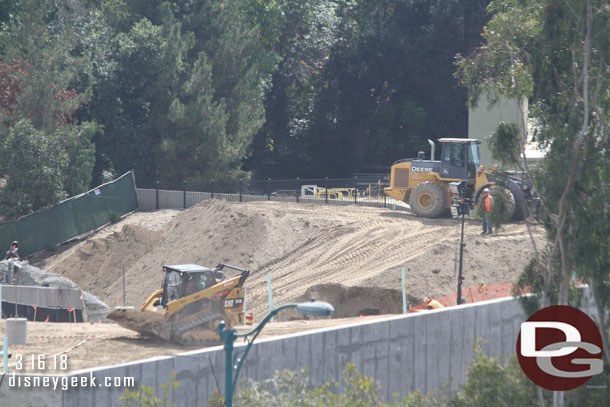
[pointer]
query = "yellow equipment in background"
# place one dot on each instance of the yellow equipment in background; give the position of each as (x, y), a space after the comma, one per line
(187, 309)
(424, 184)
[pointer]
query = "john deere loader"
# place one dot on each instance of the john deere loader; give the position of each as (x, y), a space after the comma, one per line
(188, 307)
(424, 184)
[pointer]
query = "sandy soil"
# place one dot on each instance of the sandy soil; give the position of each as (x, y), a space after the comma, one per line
(301, 246)
(351, 256)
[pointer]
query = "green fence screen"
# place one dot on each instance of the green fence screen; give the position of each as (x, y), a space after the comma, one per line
(72, 217)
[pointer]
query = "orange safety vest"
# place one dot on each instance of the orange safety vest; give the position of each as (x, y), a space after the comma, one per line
(487, 202)
(433, 304)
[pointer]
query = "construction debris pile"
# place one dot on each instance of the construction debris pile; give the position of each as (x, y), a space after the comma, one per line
(23, 274)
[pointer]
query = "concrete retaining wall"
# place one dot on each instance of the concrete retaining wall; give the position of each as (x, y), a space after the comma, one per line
(51, 297)
(405, 353)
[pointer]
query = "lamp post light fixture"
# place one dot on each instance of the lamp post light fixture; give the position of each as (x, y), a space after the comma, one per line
(235, 362)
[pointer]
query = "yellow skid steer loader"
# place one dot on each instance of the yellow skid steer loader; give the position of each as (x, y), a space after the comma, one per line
(187, 309)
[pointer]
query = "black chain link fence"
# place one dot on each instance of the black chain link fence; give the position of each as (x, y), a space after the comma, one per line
(366, 191)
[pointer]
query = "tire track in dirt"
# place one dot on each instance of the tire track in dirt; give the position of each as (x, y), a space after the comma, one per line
(299, 245)
(350, 256)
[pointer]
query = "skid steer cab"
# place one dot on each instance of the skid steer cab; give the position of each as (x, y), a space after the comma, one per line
(185, 283)
(424, 184)
(185, 279)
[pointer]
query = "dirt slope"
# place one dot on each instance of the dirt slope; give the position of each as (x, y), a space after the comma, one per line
(300, 245)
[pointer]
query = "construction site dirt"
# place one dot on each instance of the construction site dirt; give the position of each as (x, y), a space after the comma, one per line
(350, 255)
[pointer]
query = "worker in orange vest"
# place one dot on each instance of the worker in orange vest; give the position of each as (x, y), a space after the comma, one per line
(433, 304)
(486, 206)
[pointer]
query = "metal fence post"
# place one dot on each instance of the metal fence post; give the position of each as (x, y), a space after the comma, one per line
(384, 197)
(326, 190)
(157, 196)
(212, 182)
(297, 189)
(355, 190)
(184, 196)
(240, 199)
(268, 186)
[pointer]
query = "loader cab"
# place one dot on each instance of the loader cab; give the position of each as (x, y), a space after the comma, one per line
(186, 279)
(459, 158)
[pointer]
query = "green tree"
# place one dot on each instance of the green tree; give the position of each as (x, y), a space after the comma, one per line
(492, 383)
(388, 84)
(504, 144)
(307, 33)
(34, 163)
(556, 54)
(78, 144)
(39, 62)
(187, 82)
(42, 47)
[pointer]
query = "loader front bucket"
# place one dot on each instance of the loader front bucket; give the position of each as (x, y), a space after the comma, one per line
(144, 322)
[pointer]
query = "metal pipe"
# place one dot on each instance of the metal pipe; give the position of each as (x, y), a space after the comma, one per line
(432, 148)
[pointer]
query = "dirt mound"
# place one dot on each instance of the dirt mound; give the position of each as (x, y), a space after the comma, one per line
(300, 246)
(356, 301)
(98, 263)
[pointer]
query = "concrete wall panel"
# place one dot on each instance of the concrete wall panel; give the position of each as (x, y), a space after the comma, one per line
(404, 353)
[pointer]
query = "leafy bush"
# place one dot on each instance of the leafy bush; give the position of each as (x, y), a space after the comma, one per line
(504, 144)
(503, 207)
(489, 384)
(145, 395)
(114, 217)
(502, 210)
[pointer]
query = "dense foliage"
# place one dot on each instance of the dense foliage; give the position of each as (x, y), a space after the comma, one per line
(213, 89)
(557, 55)
(490, 382)
(375, 85)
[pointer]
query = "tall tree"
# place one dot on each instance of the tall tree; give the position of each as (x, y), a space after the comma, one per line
(33, 162)
(38, 65)
(309, 29)
(556, 54)
(188, 81)
(382, 85)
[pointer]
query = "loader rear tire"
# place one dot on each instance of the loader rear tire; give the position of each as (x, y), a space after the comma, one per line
(428, 200)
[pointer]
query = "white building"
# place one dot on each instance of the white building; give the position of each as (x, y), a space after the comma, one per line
(483, 121)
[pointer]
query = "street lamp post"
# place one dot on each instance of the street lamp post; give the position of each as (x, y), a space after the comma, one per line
(461, 207)
(234, 362)
(460, 278)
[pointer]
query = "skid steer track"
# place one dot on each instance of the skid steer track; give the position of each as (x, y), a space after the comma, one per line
(199, 331)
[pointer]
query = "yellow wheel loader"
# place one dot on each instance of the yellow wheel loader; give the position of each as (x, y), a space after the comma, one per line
(187, 309)
(424, 184)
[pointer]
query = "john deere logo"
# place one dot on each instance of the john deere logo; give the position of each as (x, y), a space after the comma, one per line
(560, 348)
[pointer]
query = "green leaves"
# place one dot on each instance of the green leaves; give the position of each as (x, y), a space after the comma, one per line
(556, 54)
(80, 151)
(34, 163)
(45, 153)
(504, 144)
(145, 395)
(188, 82)
(502, 66)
